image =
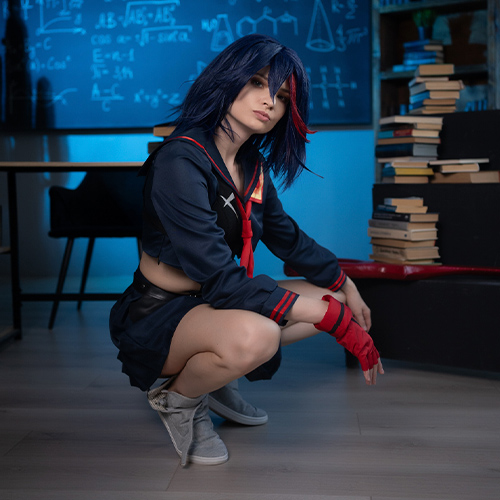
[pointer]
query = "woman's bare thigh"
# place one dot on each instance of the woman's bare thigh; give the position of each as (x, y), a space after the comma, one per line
(221, 331)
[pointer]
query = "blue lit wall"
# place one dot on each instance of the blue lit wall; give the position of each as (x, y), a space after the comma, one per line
(334, 210)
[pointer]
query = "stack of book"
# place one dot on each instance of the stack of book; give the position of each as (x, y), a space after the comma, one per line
(463, 171)
(432, 92)
(405, 145)
(406, 172)
(403, 231)
(421, 52)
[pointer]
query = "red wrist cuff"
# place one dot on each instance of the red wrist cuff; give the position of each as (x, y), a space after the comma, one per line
(336, 319)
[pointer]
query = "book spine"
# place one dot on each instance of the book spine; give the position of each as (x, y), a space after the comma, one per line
(419, 43)
(411, 235)
(419, 97)
(391, 216)
(389, 150)
(399, 68)
(390, 251)
(408, 149)
(391, 171)
(422, 54)
(380, 232)
(422, 104)
(388, 224)
(386, 208)
(389, 134)
(427, 60)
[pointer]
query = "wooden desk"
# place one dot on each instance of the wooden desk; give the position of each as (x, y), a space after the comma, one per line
(12, 169)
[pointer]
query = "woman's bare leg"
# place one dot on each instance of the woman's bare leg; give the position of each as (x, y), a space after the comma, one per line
(293, 332)
(212, 347)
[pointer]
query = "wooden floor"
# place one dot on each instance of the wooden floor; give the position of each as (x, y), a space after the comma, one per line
(71, 427)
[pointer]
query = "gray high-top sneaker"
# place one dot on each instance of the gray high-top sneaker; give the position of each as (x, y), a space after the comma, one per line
(189, 426)
(228, 403)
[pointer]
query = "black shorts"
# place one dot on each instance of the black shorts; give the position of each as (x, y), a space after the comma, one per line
(142, 324)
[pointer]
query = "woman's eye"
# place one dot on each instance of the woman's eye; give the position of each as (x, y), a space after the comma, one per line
(283, 98)
(256, 82)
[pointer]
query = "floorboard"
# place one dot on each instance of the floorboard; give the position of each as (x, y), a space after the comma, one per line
(71, 426)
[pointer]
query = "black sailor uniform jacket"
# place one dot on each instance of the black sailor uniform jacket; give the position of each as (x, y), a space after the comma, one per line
(187, 188)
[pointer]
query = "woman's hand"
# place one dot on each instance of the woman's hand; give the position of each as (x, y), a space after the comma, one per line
(360, 310)
(340, 323)
(362, 315)
(371, 374)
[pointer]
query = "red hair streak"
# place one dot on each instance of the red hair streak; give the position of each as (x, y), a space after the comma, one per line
(297, 119)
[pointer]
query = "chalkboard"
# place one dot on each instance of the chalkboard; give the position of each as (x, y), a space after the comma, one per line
(82, 64)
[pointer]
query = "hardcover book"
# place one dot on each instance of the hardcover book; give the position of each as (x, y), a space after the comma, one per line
(425, 44)
(396, 224)
(412, 253)
(387, 242)
(402, 209)
(390, 150)
(428, 217)
(414, 201)
(433, 110)
(434, 120)
(398, 234)
(446, 85)
(482, 177)
(406, 179)
(434, 94)
(435, 69)
(408, 140)
(390, 171)
(407, 132)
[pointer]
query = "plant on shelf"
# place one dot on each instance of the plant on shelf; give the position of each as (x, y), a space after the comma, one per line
(424, 21)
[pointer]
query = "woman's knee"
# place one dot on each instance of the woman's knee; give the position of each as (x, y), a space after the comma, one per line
(340, 296)
(256, 343)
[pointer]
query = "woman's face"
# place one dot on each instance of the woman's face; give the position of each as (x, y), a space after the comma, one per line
(253, 111)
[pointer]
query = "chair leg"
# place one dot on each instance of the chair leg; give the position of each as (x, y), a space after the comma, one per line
(60, 282)
(86, 266)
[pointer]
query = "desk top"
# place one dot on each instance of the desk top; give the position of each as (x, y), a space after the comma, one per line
(67, 166)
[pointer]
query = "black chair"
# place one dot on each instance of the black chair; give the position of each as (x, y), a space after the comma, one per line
(104, 205)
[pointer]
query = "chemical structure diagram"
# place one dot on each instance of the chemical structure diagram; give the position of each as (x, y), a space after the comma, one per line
(223, 35)
(325, 85)
(248, 25)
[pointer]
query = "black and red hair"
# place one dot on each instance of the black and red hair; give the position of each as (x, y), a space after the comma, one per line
(212, 93)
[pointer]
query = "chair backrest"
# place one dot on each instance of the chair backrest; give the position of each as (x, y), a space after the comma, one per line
(106, 204)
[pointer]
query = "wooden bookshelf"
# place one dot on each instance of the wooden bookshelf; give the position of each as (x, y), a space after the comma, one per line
(477, 64)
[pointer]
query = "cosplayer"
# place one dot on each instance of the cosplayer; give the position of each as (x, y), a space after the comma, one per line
(194, 314)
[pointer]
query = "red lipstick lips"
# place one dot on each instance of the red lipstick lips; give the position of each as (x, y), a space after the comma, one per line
(262, 115)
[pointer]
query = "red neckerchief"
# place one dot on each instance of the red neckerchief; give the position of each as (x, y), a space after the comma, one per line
(246, 259)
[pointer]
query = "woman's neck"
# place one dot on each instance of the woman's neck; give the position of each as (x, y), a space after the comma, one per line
(228, 145)
(228, 150)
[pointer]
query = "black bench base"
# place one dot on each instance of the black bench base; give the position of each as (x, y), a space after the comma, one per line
(451, 321)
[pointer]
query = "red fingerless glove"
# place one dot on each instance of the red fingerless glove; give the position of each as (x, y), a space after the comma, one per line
(339, 323)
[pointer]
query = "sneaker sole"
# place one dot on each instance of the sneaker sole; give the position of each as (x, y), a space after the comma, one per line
(208, 460)
(239, 418)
